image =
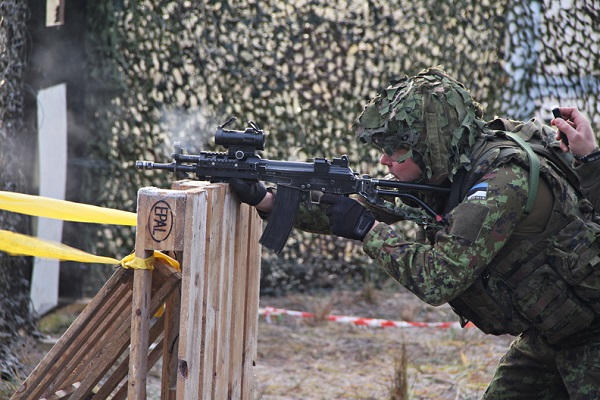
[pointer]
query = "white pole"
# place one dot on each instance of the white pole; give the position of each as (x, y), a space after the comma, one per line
(52, 155)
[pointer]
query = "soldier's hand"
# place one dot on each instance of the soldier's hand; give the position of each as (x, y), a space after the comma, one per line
(248, 191)
(347, 218)
(578, 129)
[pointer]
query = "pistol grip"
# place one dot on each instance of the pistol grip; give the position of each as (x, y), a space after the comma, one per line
(281, 220)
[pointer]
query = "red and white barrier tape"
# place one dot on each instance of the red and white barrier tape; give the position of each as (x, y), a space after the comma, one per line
(268, 312)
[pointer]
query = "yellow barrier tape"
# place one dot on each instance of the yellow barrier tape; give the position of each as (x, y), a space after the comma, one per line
(23, 245)
(131, 261)
(66, 210)
(173, 263)
(18, 244)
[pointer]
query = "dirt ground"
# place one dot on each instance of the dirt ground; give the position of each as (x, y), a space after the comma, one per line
(316, 359)
(304, 359)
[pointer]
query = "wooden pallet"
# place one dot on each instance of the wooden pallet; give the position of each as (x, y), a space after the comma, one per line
(207, 334)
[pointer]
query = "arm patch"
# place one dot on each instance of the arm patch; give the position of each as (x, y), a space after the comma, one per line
(478, 192)
(468, 220)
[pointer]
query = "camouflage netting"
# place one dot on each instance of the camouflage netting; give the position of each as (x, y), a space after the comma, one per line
(161, 71)
(14, 135)
(302, 70)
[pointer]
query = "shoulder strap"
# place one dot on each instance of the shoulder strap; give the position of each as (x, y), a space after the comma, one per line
(457, 188)
(534, 170)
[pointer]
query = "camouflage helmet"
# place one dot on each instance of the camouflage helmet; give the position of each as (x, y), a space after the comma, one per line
(430, 114)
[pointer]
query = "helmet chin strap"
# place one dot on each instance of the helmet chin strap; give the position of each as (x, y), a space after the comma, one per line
(403, 157)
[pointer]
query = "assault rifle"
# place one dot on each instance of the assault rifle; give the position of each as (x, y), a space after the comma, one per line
(293, 179)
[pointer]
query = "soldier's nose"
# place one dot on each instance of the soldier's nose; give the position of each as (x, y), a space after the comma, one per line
(385, 160)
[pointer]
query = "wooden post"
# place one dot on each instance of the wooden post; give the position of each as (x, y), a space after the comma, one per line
(222, 347)
(140, 326)
(239, 304)
(169, 350)
(192, 295)
(160, 226)
(251, 310)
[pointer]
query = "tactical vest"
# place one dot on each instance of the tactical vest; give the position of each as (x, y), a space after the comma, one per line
(548, 281)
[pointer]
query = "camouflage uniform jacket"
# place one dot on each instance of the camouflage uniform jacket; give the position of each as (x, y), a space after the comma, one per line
(481, 262)
(590, 181)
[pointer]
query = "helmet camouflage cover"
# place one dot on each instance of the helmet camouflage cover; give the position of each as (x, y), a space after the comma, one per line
(431, 115)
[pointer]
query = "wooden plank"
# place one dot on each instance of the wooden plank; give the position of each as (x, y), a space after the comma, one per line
(173, 313)
(119, 374)
(161, 219)
(189, 184)
(164, 272)
(140, 325)
(212, 269)
(121, 393)
(63, 372)
(92, 345)
(252, 299)
(192, 295)
(213, 288)
(121, 340)
(37, 381)
(153, 357)
(238, 296)
(222, 348)
(105, 356)
(170, 348)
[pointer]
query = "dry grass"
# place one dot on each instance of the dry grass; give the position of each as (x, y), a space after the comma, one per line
(399, 387)
(321, 309)
(7, 389)
(300, 360)
(368, 294)
(29, 352)
(57, 321)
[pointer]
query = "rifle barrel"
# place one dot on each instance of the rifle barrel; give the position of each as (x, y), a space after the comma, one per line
(168, 166)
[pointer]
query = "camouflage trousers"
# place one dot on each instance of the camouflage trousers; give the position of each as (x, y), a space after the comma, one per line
(531, 369)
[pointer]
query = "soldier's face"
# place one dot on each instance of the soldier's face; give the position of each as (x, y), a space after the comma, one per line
(405, 171)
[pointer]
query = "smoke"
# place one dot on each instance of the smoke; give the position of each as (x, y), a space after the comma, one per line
(194, 129)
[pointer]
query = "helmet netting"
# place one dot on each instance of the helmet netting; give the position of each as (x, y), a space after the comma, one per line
(431, 114)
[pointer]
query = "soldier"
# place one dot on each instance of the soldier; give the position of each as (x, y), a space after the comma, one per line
(519, 253)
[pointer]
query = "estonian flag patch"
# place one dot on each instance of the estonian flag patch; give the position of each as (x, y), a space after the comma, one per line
(478, 192)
